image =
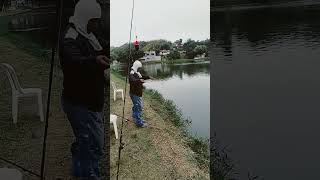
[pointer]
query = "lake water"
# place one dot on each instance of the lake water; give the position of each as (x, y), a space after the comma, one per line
(267, 90)
(188, 85)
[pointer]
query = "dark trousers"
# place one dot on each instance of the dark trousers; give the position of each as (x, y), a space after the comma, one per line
(137, 109)
(87, 149)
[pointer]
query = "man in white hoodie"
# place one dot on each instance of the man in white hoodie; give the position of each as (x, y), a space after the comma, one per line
(83, 63)
(136, 81)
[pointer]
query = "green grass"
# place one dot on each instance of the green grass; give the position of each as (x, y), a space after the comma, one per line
(27, 43)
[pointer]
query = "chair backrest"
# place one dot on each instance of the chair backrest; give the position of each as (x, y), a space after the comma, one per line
(13, 79)
(113, 85)
(113, 118)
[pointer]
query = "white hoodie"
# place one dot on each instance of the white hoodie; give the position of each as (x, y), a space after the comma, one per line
(83, 12)
(134, 69)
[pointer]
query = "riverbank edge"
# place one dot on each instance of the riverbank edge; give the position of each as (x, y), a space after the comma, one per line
(198, 145)
(178, 61)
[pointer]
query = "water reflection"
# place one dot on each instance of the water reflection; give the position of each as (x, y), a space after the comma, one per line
(188, 85)
(266, 100)
(166, 71)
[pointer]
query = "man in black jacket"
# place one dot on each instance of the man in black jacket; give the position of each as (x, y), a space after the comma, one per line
(83, 64)
(136, 81)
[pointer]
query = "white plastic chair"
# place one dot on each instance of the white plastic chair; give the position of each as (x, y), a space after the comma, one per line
(12, 174)
(18, 91)
(113, 120)
(115, 91)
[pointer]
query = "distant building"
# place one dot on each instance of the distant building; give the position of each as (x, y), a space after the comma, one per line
(164, 52)
(150, 56)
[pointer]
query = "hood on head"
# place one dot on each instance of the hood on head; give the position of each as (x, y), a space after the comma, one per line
(136, 65)
(83, 12)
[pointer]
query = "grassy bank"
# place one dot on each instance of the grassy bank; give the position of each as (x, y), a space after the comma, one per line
(164, 150)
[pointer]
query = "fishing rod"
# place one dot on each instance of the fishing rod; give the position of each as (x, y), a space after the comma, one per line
(121, 145)
(54, 48)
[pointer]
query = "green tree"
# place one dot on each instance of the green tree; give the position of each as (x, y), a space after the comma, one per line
(178, 42)
(114, 55)
(200, 49)
(122, 53)
(157, 45)
(189, 46)
(173, 55)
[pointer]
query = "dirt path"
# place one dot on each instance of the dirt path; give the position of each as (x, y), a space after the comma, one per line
(156, 152)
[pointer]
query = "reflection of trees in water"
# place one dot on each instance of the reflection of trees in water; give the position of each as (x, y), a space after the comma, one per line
(228, 3)
(222, 32)
(266, 25)
(165, 71)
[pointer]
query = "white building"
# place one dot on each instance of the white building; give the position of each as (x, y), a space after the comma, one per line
(201, 56)
(164, 52)
(150, 56)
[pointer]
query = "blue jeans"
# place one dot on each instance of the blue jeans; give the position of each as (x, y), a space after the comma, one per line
(88, 146)
(137, 109)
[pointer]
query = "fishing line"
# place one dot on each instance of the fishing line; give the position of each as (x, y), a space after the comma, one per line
(125, 92)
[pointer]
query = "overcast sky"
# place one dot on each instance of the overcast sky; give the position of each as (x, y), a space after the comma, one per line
(160, 19)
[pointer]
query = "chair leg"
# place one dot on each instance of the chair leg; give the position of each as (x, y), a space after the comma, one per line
(115, 127)
(114, 95)
(122, 95)
(14, 109)
(40, 107)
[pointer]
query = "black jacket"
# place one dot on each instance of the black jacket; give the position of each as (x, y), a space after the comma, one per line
(136, 86)
(84, 81)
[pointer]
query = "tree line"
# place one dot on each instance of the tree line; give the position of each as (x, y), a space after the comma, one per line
(178, 50)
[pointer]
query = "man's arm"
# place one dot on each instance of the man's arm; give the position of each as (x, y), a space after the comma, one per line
(72, 55)
(134, 79)
(145, 77)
